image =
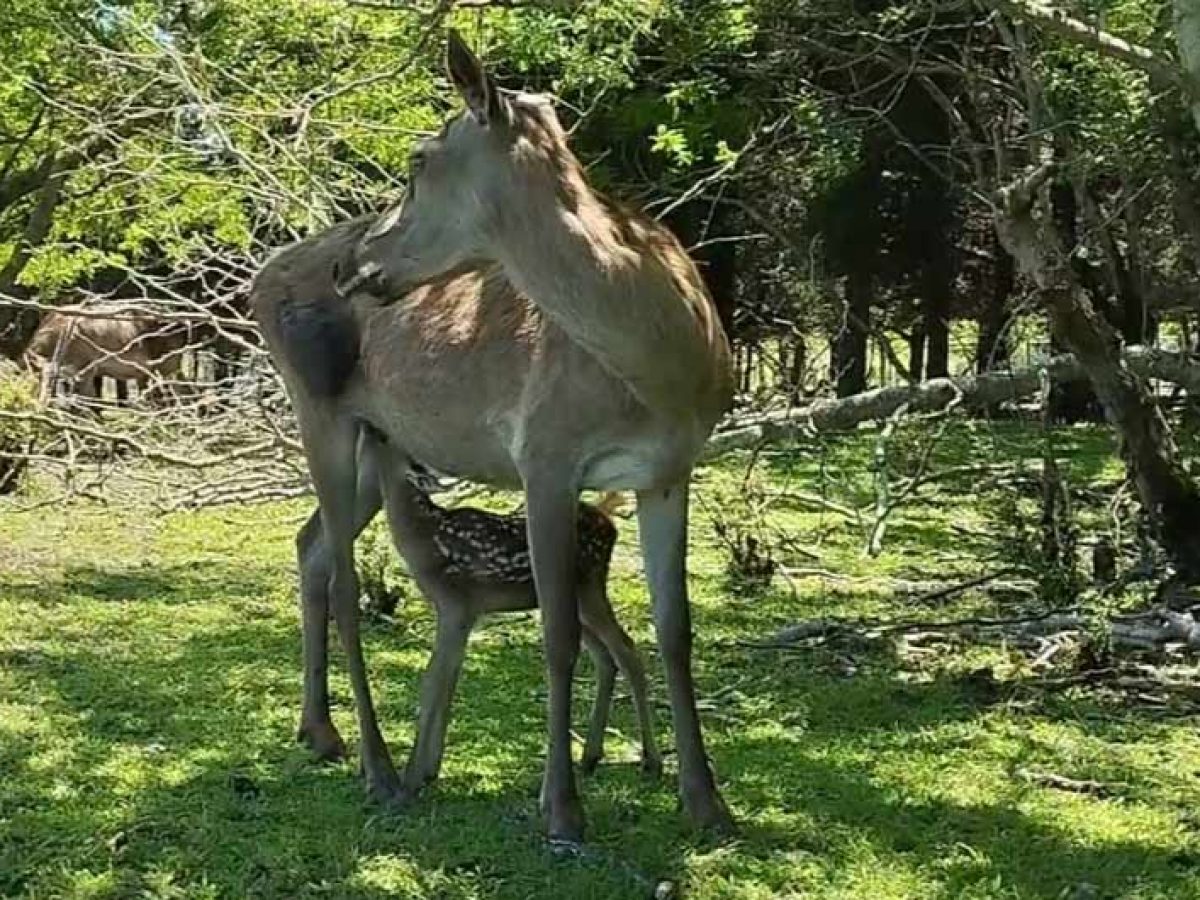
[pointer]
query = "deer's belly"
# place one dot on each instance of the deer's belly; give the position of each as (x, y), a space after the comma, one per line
(449, 444)
(653, 458)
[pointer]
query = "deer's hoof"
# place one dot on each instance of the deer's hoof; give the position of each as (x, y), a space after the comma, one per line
(323, 740)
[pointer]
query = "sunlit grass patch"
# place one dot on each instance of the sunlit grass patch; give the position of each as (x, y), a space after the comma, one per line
(149, 690)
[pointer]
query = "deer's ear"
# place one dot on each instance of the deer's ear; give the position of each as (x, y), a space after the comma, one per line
(473, 82)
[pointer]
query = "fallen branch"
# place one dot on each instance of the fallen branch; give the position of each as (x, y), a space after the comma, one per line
(953, 589)
(1152, 630)
(975, 391)
(913, 592)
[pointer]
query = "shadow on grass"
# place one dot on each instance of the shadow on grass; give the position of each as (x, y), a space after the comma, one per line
(967, 846)
(164, 761)
(175, 761)
(197, 582)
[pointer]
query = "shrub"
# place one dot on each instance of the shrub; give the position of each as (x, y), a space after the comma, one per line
(380, 577)
(18, 394)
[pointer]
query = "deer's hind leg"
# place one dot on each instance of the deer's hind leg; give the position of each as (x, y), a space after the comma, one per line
(316, 729)
(330, 445)
(601, 625)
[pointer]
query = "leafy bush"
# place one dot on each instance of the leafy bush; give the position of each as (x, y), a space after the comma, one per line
(1041, 539)
(379, 573)
(18, 394)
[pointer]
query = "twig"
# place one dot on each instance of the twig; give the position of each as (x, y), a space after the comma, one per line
(1074, 785)
(951, 590)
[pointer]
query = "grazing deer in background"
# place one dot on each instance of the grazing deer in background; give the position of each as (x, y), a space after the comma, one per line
(102, 340)
(507, 324)
(468, 563)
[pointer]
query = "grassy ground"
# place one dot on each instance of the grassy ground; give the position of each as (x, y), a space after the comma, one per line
(149, 686)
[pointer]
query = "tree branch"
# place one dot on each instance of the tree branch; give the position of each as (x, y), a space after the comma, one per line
(1086, 34)
(937, 393)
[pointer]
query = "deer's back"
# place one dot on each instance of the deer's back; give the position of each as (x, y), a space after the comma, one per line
(82, 340)
(485, 546)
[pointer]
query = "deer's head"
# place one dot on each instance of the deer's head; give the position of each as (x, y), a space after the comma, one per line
(471, 183)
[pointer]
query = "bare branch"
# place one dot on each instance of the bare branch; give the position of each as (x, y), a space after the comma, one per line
(936, 394)
(1086, 34)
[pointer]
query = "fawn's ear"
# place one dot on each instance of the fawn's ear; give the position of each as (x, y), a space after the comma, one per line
(473, 82)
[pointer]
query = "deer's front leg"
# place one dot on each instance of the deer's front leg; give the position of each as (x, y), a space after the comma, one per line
(662, 522)
(551, 512)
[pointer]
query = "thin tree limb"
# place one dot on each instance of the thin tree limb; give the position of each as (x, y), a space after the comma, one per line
(1087, 34)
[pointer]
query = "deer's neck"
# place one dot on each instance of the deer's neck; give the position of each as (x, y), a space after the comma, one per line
(413, 519)
(620, 287)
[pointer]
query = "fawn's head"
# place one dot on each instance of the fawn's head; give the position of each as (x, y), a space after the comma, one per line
(474, 182)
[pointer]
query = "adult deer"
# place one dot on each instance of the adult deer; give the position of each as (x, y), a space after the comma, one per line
(115, 340)
(504, 323)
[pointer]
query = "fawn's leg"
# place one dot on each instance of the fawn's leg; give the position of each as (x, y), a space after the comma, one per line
(316, 729)
(455, 618)
(662, 521)
(606, 676)
(330, 447)
(551, 503)
(454, 625)
(599, 618)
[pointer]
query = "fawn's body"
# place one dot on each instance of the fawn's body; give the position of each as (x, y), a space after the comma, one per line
(468, 563)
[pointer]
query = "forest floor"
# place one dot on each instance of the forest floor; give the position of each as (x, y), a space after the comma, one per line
(149, 690)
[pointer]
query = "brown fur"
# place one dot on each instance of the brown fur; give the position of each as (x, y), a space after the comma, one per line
(508, 325)
(105, 340)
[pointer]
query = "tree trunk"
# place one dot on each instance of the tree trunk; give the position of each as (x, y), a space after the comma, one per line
(916, 350)
(794, 376)
(937, 288)
(1168, 496)
(849, 360)
(1184, 195)
(994, 348)
(937, 336)
(1129, 310)
(1139, 325)
(697, 223)
(1074, 402)
(1187, 34)
(17, 324)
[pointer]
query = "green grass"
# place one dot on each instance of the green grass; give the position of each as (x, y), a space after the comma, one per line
(149, 688)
